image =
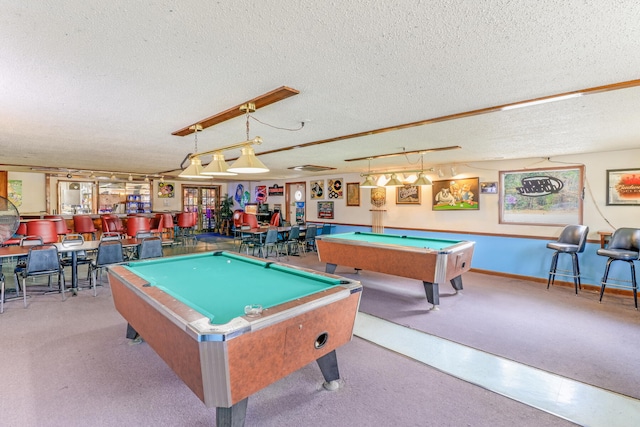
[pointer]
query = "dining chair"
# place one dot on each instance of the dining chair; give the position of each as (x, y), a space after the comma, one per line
(21, 262)
(326, 229)
(83, 224)
(43, 260)
(310, 238)
(109, 252)
(623, 246)
(293, 240)
(572, 241)
(151, 247)
(17, 236)
(268, 245)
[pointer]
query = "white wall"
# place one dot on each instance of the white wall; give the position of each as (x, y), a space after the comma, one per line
(597, 215)
(33, 191)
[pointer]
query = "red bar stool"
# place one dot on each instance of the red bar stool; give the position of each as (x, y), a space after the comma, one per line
(167, 225)
(186, 225)
(156, 224)
(44, 228)
(137, 224)
(83, 224)
(61, 225)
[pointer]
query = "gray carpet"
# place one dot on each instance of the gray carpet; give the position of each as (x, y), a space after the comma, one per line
(70, 364)
(554, 330)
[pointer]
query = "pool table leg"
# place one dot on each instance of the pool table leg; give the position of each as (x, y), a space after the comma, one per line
(329, 366)
(433, 290)
(234, 416)
(132, 334)
(330, 268)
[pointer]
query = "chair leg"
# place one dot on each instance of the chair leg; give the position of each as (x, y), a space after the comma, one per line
(2, 295)
(576, 272)
(603, 282)
(24, 290)
(552, 270)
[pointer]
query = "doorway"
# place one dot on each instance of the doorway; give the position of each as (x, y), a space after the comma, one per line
(295, 199)
(204, 201)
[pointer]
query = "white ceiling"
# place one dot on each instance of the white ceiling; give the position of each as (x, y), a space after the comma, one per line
(95, 85)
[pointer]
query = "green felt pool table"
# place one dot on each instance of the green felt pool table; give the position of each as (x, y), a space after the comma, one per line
(191, 310)
(434, 261)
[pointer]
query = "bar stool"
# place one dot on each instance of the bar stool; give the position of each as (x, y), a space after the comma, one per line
(186, 224)
(623, 246)
(167, 225)
(61, 225)
(572, 241)
(136, 224)
(44, 228)
(83, 224)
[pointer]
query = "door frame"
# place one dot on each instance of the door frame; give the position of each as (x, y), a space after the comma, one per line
(287, 200)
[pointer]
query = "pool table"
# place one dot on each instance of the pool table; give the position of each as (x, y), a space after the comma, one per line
(434, 261)
(197, 312)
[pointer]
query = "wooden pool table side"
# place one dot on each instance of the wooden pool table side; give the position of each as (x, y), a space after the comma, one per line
(432, 267)
(224, 372)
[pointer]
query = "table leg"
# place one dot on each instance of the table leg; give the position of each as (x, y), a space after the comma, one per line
(132, 334)
(233, 416)
(74, 273)
(329, 367)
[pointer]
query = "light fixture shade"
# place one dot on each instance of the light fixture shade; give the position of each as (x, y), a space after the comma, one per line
(248, 163)
(454, 172)
(369, 182)
(422, 180)
(194, 170)
(394, 182)
(217, 166)
(440, 173)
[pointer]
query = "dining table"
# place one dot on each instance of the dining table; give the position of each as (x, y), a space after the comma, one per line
(74, 249)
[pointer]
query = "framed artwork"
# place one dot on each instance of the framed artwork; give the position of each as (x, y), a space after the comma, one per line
(261, 193)
(550, 196)
(623, 187)
(456, 194)
(166, 189)
(488, 188)
(14, 192)
(408, 195)
(353, 194)
(317, 189)
(335, 188)
(325, 210)
(378, 196)
(276, 190)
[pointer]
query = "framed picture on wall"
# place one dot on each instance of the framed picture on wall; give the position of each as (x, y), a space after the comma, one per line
(353, 194)
(623, 187)
(317, 189)
(325, 210)
(456, 194)
(335, 188)
(489, 188)
(551, 196)
(408, 195)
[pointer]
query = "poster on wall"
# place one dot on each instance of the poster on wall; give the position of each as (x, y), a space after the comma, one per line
(623, 187)
(550, 196)
(14, 191)
(325, 210)
(166, 189)
(335, 188)
(456, 194)
(261, 193)
(276, 190)
(317, 189)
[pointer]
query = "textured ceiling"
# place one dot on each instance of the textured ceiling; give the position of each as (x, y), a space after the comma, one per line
(97, 85)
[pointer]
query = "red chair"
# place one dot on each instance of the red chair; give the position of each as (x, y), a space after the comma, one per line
(186, 224)
(156, 224)
(83, 224)
(237, 218)
(167, 225)
(138, 224)
(60, 223)
(275, 220)
(44, 228)
(250, 220)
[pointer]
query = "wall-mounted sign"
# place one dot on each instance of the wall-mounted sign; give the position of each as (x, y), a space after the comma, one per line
(276, 190)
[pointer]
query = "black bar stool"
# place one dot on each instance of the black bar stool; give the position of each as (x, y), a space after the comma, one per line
(623, 246)
(572, 241)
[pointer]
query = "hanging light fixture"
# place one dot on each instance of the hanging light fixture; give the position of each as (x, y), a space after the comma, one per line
(194, 170)
(369, 182)
(217, 166)
(454, 172)
(248, 162)
(394, 181)
(422, 178)
(440, 173)
(130, 177)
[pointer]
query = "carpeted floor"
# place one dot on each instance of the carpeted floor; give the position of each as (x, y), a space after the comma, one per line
(555, 330)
